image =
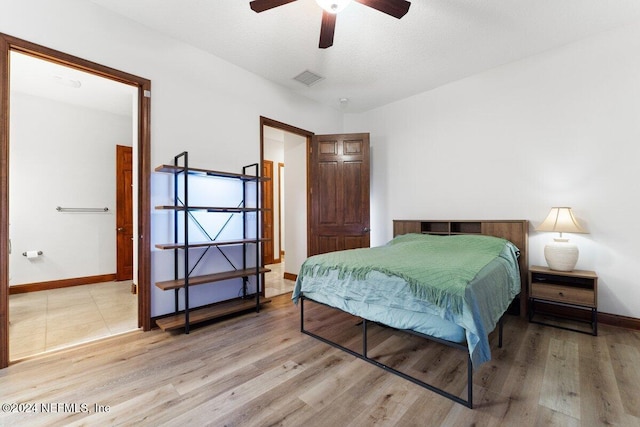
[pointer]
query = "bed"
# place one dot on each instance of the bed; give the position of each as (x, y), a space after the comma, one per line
(453, 289)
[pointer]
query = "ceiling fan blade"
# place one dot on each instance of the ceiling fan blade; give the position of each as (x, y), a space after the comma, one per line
(262, 5)
(395, 8)
(327, 29)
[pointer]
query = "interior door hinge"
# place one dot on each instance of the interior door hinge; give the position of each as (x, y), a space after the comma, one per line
(134, 289)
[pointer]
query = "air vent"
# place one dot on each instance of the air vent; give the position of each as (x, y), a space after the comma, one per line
(308, 78)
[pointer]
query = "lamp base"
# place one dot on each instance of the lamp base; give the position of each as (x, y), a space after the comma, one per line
(561, 255)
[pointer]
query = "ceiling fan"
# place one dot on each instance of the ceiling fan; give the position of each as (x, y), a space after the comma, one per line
(395, 8)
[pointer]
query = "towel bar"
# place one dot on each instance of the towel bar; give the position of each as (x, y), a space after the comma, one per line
(60, 209)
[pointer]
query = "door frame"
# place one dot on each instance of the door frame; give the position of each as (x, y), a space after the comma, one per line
(8, 44)
(264, 121)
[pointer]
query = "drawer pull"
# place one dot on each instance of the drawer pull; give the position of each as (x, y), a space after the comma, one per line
(561, 294)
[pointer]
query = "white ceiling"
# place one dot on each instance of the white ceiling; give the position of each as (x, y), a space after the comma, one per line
(377, 59)
(45, 79)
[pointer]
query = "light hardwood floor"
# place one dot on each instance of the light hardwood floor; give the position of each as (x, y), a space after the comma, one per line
(51, 320)
(259, 370)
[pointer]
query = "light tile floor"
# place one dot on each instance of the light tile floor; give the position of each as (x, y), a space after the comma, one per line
(58, 318)
(275, 284)
(50, 320)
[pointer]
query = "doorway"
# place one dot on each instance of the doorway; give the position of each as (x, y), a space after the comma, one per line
(304, 187)
(284, 147)
(69, 292)
(141, 143)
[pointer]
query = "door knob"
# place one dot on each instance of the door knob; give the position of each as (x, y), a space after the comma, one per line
(366, 229)
(120, 228)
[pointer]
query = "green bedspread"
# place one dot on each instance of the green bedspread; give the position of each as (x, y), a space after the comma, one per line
(440, 278)
(467, 281)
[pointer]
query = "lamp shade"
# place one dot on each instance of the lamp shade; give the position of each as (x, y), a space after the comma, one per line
(561, 220)
(560, 254)
(333, 6)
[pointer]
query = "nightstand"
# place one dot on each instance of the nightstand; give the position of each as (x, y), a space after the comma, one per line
(577, 289)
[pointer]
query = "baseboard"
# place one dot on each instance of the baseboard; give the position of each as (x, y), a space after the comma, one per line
(585, 315)
(290, 276)
(621, 321)
(64, 283)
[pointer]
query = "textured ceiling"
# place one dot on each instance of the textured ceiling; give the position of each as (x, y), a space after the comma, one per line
(377, 59)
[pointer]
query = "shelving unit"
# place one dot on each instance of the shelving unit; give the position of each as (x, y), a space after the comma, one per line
(445, 228)
(183, 219)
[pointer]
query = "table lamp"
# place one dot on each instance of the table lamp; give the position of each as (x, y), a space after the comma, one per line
(560, 254)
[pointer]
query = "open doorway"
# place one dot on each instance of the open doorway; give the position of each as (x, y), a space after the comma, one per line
(139, 105)
(63, 230)
(284, 158)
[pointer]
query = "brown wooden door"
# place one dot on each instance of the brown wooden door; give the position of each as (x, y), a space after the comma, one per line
(339, 192)
(124, 213)
(267, 213)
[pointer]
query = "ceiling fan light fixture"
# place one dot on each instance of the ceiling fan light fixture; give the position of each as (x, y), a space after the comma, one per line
(333, 6)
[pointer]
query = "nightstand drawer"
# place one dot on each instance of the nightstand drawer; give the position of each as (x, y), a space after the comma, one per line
(565, 294)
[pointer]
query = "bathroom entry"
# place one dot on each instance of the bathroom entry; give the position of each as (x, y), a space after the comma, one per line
(65, 125)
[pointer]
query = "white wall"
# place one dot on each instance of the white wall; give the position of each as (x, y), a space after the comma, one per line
(295, 196)
(558, 129)
(274, 151)
(281, 209)
(199, 103)
(62, 155)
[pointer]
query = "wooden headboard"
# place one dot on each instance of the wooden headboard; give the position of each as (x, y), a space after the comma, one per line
(516, 231)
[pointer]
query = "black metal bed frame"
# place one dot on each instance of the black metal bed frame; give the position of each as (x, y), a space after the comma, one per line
(468, 402)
